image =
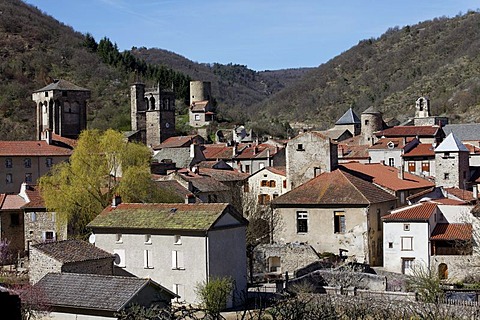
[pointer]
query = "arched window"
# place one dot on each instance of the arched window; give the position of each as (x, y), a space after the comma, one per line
(442, 271)
(152, 103)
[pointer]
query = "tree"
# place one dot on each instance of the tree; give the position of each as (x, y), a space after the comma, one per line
(81, 188)
(214, 294)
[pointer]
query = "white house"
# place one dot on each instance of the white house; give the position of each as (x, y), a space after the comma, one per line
(434, 234)
(266, 184)
(177, 245)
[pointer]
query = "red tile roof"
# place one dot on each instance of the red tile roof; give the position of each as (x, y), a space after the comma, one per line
(452, 202)
(31, 149)
(336, 187)
(471, 148)
(177, 142)
(460, 193)
(224, 175)
(421, 150)
(278, 170)
(258, 152)
(33, 194)
(418, 212)
(383, 143)
(353, 152)
(199, 106)
(13, 202)
(217, 151)
(387, 177)
(409, 131)
(452, 231)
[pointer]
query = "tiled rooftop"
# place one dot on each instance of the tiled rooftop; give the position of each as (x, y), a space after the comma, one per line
(421, 150)
(452, 231)
(336, 187)
(63, 85)
(409, 131)
(418, 212)
(31, 148)
(387, 176)
(160, 216)
(69, 251)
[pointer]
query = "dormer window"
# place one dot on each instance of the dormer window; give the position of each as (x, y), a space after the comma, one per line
(390, 145)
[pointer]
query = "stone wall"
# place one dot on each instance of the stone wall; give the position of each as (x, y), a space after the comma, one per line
(41, 264)
(100, 266)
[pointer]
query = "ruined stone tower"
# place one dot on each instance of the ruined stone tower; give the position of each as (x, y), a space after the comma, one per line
(372, 121)
(152, 113)
(61, 108)
(200, 91)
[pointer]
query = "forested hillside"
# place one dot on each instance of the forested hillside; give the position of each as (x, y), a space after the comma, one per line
(438, 58)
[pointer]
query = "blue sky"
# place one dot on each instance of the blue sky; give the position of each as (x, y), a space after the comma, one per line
(262, 34)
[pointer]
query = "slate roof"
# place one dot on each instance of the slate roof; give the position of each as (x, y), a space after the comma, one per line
(452, 231)
(417, 212)
(161, 216)
(175, 187)
(336, 187)
(224, 175)
(387, 176)
(69, 251)
(349, 117)
(201, 182)
(179, 156)
(63, 85)
(464, 132)
(31, 148)
(410, 131)
(91, 291)
(451, 144)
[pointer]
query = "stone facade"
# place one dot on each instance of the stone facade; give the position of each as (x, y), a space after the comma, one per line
(62, 108)
(371, 122)
(423, 116)
(200, 113)
(452, 164)
(41, 226)
(152, 113)
(308, 155)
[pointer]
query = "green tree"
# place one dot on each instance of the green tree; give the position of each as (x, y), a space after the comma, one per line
(214, 294)
(81, 188)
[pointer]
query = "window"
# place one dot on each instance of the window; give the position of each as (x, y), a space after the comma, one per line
(411, 166)
(8, 163)
(49, 236)
(406, 227)
(9, 178)
(118, 238)
(302, 222)
(177, 239)
(263, 199)
(407, 265)
(390, 245)
(27, 162)
(391, 162)
(426, 167)
(285, 184)
(272, 184)
(28, 177)
(300, 147)
(49, 162)
(177, 260)
(53, 216)
(148, 239)
(33, 216)
(264, 183)
(179, 290)
(339, 222)
(14, 219)
(119, 257)
(446, 176)
(366, 122)
(197, 117)
(317, 171)
(407, 243)
(247, 168)
(46, 94)
(147, 259)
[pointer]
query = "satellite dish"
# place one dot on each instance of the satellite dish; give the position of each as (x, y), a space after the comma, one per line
(91, 239)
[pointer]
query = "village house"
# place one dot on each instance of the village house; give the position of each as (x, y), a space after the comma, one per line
(72, 256)
(390, 150)
(94, 297)
(265, 185)
(177, 245)
(335, 212)
(420, 160)
(425, 134)
(437, 233)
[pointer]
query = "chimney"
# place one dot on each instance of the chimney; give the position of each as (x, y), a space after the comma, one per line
(401, 173)
(192, 151)
(475, 191)
(196, 169)
(255, 150)
(189, 198)
(116, 201)
(234, 150)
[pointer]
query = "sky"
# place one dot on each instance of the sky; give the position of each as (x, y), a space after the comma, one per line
(261, 34)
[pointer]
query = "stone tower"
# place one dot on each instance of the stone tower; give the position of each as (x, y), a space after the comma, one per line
(452, 163)
(422, 108)
(372, 121)
(61, 108)
(200, 91)
(152, 113)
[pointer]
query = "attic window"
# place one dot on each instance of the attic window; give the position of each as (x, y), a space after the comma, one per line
(390, 145)
(64, 93)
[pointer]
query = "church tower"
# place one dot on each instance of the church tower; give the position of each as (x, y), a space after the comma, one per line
(152, 113)
(422, 108)
(451, 163)
(61, 108)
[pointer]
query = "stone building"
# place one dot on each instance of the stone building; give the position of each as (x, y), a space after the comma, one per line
(71, 256)
(308, 155)
(371, 122)
(201, 104)
(452, 163)
(152, 113)
(61, 108)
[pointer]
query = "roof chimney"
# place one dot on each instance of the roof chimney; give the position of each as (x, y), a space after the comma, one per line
(475, 191)
(401, 173)
(116, 201)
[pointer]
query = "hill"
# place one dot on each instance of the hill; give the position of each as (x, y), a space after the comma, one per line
(438, 58)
